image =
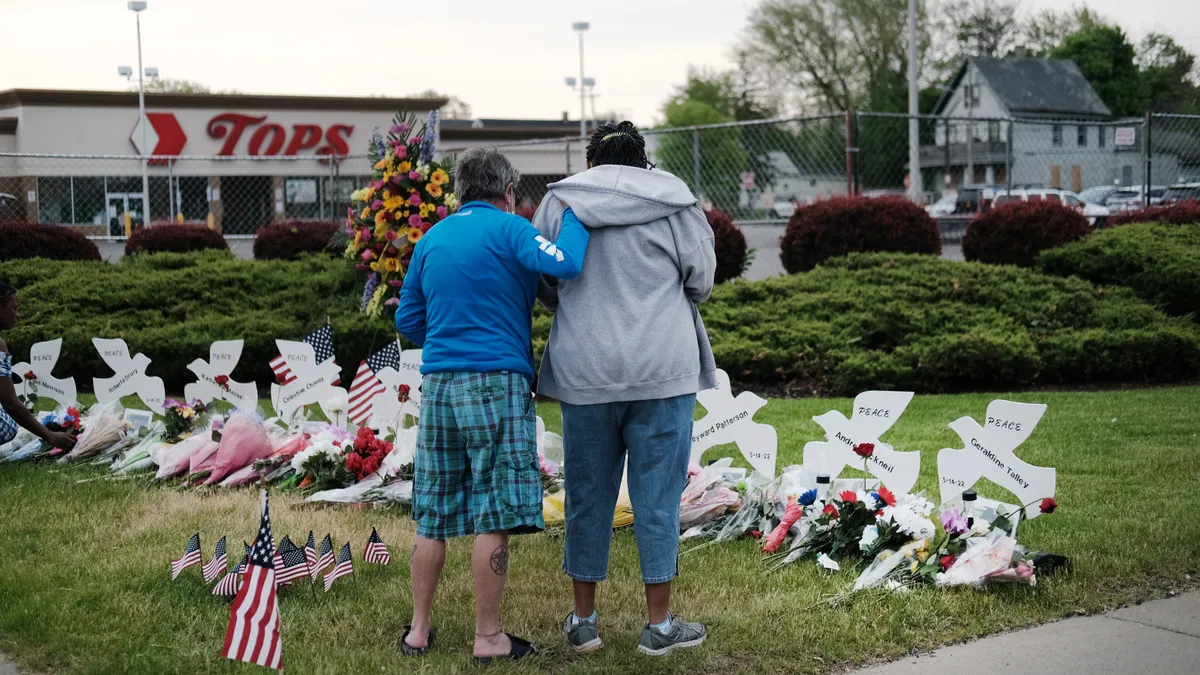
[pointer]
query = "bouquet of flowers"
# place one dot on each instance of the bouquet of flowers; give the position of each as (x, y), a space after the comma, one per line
(68, 420)
(408, 194)
(29, 389)
(322, 463)
(367, 453)
(180, 419)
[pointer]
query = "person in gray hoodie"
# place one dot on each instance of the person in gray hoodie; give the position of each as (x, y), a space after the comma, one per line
(627, 354)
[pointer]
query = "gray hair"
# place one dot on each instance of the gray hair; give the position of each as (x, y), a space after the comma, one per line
(482, 173)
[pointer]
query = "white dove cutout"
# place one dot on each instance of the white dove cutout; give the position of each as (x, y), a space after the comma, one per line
(874, 413)
(731, 420)
(43, 356)
(987, 452)
(386, 406)
(223, 357)
(313, 383)
(130, 378)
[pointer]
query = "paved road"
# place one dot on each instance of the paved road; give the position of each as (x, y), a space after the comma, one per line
(1161, 636)
(764, 239)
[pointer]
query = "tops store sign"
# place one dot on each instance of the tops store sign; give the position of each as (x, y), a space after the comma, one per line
(242, 134)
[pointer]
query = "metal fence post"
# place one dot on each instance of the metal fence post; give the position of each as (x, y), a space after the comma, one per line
(696, 162)
(1148, 154)
(849, 154)
(1008, 156)
(568, 148)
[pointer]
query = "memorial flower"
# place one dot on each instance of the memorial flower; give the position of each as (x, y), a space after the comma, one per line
(954, 523)
(222, 382)
(1048, 505)
(404, 392)
(864, 450)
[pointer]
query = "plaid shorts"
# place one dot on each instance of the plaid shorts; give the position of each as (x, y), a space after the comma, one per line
(8, 426)
(476, 464)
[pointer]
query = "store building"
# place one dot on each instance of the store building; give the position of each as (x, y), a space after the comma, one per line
(237, 162)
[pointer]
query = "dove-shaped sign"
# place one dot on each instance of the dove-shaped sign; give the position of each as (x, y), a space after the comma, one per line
(987, 452)
(731, 420)
(874, 413)
(42, 358)
(386, 406)
(213, 377)
(313, 383)
(130, 378)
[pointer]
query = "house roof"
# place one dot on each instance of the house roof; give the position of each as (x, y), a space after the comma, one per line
(1034, 87)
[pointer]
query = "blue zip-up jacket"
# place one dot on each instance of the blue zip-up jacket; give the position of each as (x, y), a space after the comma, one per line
(468, 296)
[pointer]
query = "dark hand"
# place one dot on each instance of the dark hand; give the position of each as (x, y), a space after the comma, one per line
(60, 440)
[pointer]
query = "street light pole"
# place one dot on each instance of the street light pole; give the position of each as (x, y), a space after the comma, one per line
(137, 8)
(914, 130)
(581, 27)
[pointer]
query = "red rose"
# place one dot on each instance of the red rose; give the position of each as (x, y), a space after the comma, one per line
(946, 561)
(1048, 505)
(280, 379)
(222, 381)
(404, 392)
(830, 510)
(31, 375)
(370, 465)
(887, 496)
(864, 450)
(848, 497)
(354, 462)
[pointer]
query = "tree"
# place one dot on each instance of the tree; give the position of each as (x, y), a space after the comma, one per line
(171, 85)
(967, 28)
(1168, 73)
(1106, 58)
(455, 108)
(707, 98)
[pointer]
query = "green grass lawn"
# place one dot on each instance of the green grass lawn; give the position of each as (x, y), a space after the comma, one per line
(84, 580)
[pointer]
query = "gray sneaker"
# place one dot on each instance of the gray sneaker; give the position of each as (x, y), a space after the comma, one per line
(582, 634)
(682, 634)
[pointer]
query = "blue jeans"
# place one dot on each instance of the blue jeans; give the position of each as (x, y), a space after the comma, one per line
(658, 435)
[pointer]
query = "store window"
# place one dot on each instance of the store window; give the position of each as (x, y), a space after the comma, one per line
(304, 199)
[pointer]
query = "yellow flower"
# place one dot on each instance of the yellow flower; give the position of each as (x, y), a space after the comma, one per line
(370, 193)
(359, 195)
(381, 219)
(913, 568)
(381, 230)
(439, 177)
(392, 264)
(375, 266)
(357, 237)
(187, 413)
(434, 189)
(414, 235)
(382, 163)
(404, 167)
(451, 201)
(393, 202)
(366, 213)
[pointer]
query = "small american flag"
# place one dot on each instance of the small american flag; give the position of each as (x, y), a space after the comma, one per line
(377, 551)
(321, 340)
(326, 557)
(218, 563)
(228, 585)
(295, 563)
(191, 556)
(253, 632)
(344, 566)
(245, 559)
(310, 552)
(366, 385)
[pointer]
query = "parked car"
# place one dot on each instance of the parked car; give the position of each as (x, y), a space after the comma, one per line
(784, 208)
(1133, 197)
(1181, 192)
(944, 206)
(1095, 213)
(1099, 194)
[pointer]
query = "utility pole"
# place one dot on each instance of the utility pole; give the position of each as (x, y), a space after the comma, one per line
(917, 192)
(581, 27)
(137, 8)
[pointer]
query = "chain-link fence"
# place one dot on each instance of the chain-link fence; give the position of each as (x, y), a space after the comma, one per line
(758, 171)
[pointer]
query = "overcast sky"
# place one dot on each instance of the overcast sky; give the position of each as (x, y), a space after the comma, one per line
(506, 58)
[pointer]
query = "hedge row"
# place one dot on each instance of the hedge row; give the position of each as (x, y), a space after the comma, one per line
(842, 225)
(1016, 232)
(1160, 262)
(1181, 213)
(41, 240)
(174, 238)
(862, 322)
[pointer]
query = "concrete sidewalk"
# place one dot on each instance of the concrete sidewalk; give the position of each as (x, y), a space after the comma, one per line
(1160, 636)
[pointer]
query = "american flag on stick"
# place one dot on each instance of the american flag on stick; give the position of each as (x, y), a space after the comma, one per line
(295, 563)
(344, 566)
(326, 557)
(191, 556)
(253, 632)
(218, 563)
(321, 340)
(310, 553)
(366, 385)
(228, 585)
(377, 551)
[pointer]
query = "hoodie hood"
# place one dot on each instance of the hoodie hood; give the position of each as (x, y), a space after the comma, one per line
(623, 195)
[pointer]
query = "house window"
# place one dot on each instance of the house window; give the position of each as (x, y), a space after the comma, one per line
(1056, 135)
(1100, 137)
(1127, 175)
(993, 132)
(1081, 136)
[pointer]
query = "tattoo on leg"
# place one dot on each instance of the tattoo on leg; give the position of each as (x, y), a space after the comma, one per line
(499, 560)
(413, 554)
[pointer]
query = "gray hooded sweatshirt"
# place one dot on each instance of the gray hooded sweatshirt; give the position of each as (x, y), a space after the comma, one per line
(627, 329)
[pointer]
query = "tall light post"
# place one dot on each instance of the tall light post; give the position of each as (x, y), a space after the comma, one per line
(581, 27)
(914, 128)
(137, 7)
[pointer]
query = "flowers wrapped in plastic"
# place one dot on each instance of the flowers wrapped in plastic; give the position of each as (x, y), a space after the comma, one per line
(103, 427)
(706, 497)
(244, 440)
(176, 459)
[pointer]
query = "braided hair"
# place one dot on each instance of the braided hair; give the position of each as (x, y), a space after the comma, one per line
(618, 144)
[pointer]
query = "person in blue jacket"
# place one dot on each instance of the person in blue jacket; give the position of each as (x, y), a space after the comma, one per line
(467, 301)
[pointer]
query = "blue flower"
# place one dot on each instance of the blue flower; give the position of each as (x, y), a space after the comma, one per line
(429, 140)
(877, 498)
(808, 498)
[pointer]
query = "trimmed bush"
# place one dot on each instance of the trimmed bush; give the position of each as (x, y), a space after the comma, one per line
(1014, 233)
(288, 241)
(44, 240)
(862, 322)
(732, 256)
(1161, 263)
(834, 227)
(1183, 213)
(909, 322)
(172, 238)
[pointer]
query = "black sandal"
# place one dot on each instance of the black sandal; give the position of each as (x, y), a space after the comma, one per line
(409, 650)
(520, 649)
